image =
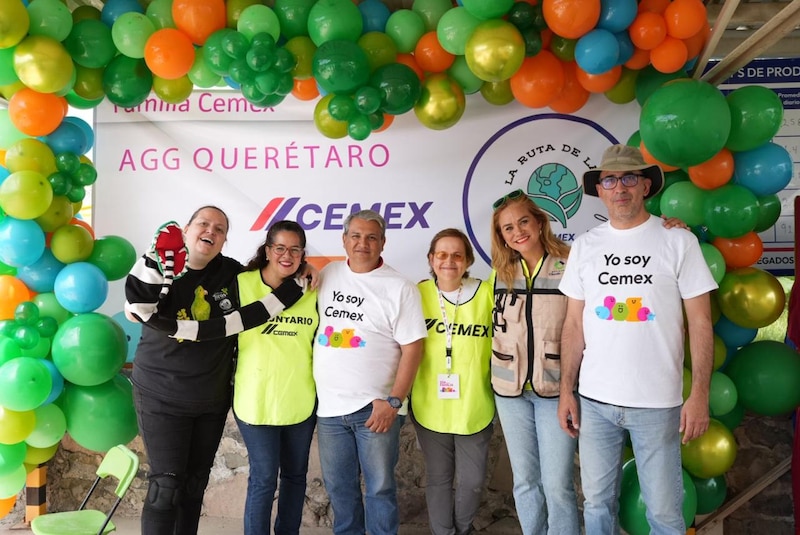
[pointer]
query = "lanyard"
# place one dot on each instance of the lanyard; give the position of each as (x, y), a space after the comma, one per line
(448, 327)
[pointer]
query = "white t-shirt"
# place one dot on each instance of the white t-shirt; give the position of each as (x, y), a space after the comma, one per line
(364, 318)
(633, 282)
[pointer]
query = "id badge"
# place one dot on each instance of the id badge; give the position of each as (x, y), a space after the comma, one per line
(448, 386)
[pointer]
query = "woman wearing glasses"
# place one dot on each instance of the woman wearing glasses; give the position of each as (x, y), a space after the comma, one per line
(529, 311)
(274, 397)
(451, 401)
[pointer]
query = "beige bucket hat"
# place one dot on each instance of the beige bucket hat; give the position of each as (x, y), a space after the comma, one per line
(624, 158)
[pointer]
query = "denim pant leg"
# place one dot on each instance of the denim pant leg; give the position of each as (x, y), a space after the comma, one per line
(543, 463)
(656, 448)
(378, 454)
(295, 446)
(338, 455)
(557, 466)
(600, 443)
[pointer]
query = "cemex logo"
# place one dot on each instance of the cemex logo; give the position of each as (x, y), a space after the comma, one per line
(331, 216)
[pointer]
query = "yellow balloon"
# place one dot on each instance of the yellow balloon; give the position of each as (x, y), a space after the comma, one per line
(751, 297)
(495, 50)
(14, 22)
(712, 453)
(327, 125)
(43, 64)
(625, 89)
(30, 155)
(441, 103)
(173, 91)
(59, 213)
(497, 93)
(15, 426)
(25, 194)
(37, 456)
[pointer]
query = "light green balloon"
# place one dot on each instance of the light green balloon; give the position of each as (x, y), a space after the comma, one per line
(201, 74)
(51, 18)
(130, 33)
(431, 11)
(405, 27)
(160, 13)
(13, 482)
(256, 19)
(454, 28)
(8, 132)
(461, 73)
(51, 424)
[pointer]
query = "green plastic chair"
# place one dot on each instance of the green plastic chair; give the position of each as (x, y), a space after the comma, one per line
(119, 462)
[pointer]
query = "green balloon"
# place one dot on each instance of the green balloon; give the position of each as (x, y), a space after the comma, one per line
(650, 79)
(51, 18)
(497, 93)
(160, 13)
(522, 15)
(50, 307)
(101, 416)
(454, 28)
(461, 73)
(756, 116)
(51, 424)
(127, 81)
(711, 493)
(685, 122)
(563, 48)
(330, 20)
(293, 16)
(340, 66)
(635, 140)
(90, 44)
(257, 19)
(130, 33)
(24, 384)
(89, 349)
(9, 350)
(714, 260)
(431, 11)
(488, 9)
(685, 201)
(214, 51)
(769, 210)
(732, 419)
(114, 256)
(405, 27)
(399, 86)
(731, 211)
(13, 482)
(722, 394)
(11, 457)
(379, 48)
(767, 377)
(7, 73)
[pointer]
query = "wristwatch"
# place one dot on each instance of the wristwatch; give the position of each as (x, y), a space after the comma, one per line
(394, 402)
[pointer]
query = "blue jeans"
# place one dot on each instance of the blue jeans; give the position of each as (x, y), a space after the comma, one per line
(346, 450)
(270, 449)
(542, 459)
(656, 448)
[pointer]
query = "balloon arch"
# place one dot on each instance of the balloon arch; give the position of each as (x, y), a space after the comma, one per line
(60, 360)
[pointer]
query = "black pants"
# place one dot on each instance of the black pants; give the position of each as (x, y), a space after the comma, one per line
(180, 440)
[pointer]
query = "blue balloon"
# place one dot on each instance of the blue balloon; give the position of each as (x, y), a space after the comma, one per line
(58, 381)
(733, 335)
(626, 47)
(374, 13)
(133, 332)
(68, 137)
(764, 170)
(3, 174)
(114, 8)
(21, 241)
(41, 275)
(88, 133)
(617, 15)
(597, 51)
(81, 287)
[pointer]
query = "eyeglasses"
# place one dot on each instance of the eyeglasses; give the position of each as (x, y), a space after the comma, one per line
(280, 250)
(442, 256)
(505, 198)
(630, 180)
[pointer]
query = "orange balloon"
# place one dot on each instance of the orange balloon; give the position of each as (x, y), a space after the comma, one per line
(36, 114)
(3, 157)
(648, 158)
(388, 119)
(598, 83)
(574, 95)
(639, 60)
(305, 89)
(653, 6)
(539, 80)
(571, 18)
(82, 223)
(430, 55)
(410, 61)
(714, 172)
(647, 30)
(685, 18)
(6, 505)
(199, 18)
(695, 43)
(12, 292)
(670, 55)
(169, 53)
(740, 252)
